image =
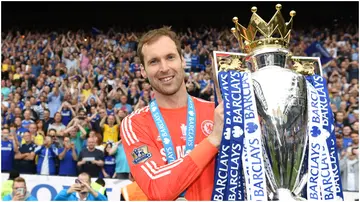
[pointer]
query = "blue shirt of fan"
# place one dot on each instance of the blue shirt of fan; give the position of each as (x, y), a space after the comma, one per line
(109, 112)
(203, 84)
(134, 67)
(25, 123)
(194, 60)
(20, 131)
(7, 155)
(66, 116)
(109, 165)
(347, 141)
(21, 105)
(67, 165)
(10, 120)
(93, 121)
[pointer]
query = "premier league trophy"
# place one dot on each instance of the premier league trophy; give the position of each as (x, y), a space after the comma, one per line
(279, 141)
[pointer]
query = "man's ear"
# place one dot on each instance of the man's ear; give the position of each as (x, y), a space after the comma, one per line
(183, 63)
(143, 72)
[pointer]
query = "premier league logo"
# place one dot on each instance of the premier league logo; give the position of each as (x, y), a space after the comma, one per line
(141, 154)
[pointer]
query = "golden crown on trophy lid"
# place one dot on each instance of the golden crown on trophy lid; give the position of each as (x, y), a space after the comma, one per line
(277, 25)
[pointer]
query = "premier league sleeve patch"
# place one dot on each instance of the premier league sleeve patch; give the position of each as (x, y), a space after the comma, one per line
(141, 154)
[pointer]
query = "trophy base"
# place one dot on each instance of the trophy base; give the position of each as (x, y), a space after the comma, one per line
(283, 194)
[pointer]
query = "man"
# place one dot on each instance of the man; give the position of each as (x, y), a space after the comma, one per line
(350, 177)
(80, 191)
(99, 186)
(9, 146)
(153, 169)
(19, 192)
(24, 159)
(122, 169)
(91, 159)
(47, 155)
(68, 157)
(6, 187)
(111, 129)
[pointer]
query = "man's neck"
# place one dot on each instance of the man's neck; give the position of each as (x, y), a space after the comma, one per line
(177, 100)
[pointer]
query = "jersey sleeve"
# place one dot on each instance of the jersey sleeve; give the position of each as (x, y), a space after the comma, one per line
(157, 179)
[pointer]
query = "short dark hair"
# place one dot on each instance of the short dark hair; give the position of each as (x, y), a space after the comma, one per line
(13, 174)
(19, 179)
(153, 35)
(101, 182)
(85, 173)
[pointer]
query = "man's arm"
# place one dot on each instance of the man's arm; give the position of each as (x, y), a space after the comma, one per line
(154, 174)
(62, 196)
(62, 154)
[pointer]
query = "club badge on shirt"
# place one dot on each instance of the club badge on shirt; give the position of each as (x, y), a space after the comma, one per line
(141, 154)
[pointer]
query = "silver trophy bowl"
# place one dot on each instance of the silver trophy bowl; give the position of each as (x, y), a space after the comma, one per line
(281, 103)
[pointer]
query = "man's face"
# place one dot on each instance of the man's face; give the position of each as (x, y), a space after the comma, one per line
(18, 121)
(123, 99)
(27, 137)
(48, 141)
(84, 178)
(340, 117)
(17, 186)
(46, 114)
(32, 128)
(355, 138)
(339, 142)
(163, 66)
(91, 143)
(5, 134)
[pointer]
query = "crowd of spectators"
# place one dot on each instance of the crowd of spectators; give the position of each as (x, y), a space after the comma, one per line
(65, 94)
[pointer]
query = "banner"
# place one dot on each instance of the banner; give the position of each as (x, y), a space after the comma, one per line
(45, 188)
(317, 50)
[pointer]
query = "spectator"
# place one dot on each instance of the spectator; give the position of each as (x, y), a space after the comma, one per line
(19, 192)
(24, 158)
(91, 159)
(68, 158)
(6, 187)
(350, 178)
(77, 133)
(99, 186)
(111, 130)
(47, 155)
(80, 191)
(123, 105)
(108, 171)
(9, 146)
(122, 168)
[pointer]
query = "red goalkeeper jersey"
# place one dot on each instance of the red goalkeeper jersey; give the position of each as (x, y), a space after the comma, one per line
(159, 179)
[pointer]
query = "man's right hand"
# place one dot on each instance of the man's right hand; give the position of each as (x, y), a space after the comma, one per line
(216, 135)
(18, 197)
(81, 163)
(74, 188)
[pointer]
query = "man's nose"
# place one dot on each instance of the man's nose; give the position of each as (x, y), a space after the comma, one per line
(164, 66)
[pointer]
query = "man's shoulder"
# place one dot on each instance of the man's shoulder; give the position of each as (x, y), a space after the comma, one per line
(31, 198)
(139, 115)
(7, 198)
(203, 103)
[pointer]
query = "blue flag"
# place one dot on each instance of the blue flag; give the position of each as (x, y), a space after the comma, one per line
(95, 31)
(317, 50)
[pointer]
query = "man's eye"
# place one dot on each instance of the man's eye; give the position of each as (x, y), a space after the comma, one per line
(171, 57)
